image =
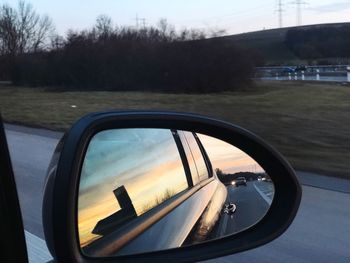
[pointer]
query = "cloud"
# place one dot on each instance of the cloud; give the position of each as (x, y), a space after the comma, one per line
(334, 7)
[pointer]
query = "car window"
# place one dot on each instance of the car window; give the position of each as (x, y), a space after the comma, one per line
(127, 170)
(197, 156)
(190, 159)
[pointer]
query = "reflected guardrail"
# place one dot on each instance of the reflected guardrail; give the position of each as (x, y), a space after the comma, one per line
(331, 73)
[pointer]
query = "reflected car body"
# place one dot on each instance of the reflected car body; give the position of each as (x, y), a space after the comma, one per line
(184, 219)
(180, 227)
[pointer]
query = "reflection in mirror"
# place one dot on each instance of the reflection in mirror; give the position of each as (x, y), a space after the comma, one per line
(144, 190)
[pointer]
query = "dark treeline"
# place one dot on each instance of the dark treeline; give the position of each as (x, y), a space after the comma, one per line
(228, 178)
(146, 59)
(320, 42)
(105, 57)
(137, 60)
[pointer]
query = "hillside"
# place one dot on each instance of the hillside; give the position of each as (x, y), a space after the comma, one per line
(272, 43)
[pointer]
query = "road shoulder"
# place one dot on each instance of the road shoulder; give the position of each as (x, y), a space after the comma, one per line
(34, 131)
(324, 182)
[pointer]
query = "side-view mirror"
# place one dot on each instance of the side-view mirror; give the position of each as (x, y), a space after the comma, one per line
(148, 186)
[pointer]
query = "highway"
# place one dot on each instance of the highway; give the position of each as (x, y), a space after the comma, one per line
(251, 205)
(320, 232)
(31, 153)
(342, 79)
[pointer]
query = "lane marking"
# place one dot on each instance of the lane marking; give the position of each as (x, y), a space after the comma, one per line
(224, 225)
(36, 248)
(264, 196)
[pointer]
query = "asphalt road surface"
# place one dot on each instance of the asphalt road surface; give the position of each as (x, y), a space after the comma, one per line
(251, 206)
(320, 232)
(31, 153)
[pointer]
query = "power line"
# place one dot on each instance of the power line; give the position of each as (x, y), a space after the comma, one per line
(230, 16)
(220, 20)
(239, 20)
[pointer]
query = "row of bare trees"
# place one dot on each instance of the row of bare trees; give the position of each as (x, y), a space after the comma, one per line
(22, 31)
(109, 57)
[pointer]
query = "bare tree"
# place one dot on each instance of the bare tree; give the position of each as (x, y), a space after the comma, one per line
(23, 30)
(167, 31)
(42, 32)
(104, 26)
(217, 32)
(57, 42)
(33, 29)
(8, 30)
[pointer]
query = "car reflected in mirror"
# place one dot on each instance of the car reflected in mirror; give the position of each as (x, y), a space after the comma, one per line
(145, 189)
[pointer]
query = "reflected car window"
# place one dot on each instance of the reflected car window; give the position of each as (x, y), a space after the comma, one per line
(197, 155)
(190, 159)
(126, 172)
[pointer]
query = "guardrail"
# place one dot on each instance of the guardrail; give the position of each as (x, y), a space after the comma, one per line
(332, 73)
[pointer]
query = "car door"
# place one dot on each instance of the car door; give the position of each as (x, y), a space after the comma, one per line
(12, 241)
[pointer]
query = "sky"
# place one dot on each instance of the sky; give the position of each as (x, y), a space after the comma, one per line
(228, 158)
(230, 15)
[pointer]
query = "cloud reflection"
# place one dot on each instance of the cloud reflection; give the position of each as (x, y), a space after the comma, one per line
(145, 161)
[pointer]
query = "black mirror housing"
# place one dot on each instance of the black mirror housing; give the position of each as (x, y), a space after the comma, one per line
(60, 198)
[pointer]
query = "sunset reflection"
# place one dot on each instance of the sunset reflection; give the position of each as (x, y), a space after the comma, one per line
(228, 158)
(145, 161)
(146, 165)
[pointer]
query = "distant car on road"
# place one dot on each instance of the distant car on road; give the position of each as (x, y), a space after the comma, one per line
(288, 70)
(239, 181)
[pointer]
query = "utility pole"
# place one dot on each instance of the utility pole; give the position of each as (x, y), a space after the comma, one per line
(299, 15)
(280, 13)
(140, 20)
(299, 5)
(137, 21)
(143, 22)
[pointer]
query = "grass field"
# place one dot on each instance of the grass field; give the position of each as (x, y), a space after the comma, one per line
(308, 123)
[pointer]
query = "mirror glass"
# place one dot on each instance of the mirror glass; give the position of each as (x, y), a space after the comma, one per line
(144, 190)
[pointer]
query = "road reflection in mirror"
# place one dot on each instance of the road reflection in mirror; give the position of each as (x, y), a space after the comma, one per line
(250, 190)
(144, 190)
